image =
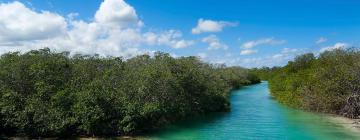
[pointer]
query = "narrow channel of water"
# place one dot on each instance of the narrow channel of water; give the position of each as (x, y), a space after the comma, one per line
(255, 115)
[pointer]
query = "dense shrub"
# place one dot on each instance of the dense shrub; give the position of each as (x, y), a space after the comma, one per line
(43, 93)
(328, 83)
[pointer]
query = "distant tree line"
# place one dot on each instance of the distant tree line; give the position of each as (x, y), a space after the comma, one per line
(328, 83)
(44, 93)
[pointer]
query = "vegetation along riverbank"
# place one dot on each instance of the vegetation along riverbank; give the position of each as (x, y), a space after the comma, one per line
(327, 83)
(44, 93)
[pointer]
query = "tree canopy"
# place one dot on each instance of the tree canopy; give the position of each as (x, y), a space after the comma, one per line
(44, 93)
(328, 83)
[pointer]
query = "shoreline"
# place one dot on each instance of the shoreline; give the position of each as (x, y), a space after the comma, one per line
(82, 138)
(347, 123)
(116, 138)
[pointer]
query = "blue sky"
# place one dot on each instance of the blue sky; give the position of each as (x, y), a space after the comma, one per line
(249, 33)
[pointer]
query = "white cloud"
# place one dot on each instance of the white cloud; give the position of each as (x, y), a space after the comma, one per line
(321, 40)
(278, 56)
(338, 45)
(202, 55)
(278, 59)
(177, 44)
(289, 50)
(116, 30)
(19, 23)
(233, 59)
(170, 38)
(248, 52)
(205, 26)
(249, 62)
(265, 41)
(287, 54)
(269, 61)
(214, 43)
(117, 13)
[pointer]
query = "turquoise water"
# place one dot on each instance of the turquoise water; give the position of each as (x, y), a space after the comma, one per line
(255, 115)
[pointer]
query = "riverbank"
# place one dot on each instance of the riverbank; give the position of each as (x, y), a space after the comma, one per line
(347, 123)
(81, 138)
(257, 117)
(115, 138)
(51, 94)
(327, 82)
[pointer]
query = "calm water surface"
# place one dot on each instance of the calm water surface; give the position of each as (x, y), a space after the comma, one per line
(255, 115)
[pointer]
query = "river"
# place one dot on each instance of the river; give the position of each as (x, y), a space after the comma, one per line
(254, 115)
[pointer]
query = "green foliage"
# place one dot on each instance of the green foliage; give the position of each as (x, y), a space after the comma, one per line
(43, 93)
(264, 73)
(328, 83)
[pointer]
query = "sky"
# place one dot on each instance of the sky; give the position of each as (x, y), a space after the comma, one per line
(248, 33)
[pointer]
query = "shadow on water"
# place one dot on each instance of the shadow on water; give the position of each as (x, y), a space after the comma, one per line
(192, 124)
(197, 123)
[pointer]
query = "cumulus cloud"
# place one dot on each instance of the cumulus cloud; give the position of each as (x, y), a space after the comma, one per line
(214, 43)
(277, 59)
(321, 40)
(116, 30)
(248, 52)
(19, 23)
(170, 38)
(206, 26)
(249, 62)
(268, 61)
(233, 59)
(338, 45)
(260, 42)
(117, 13)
